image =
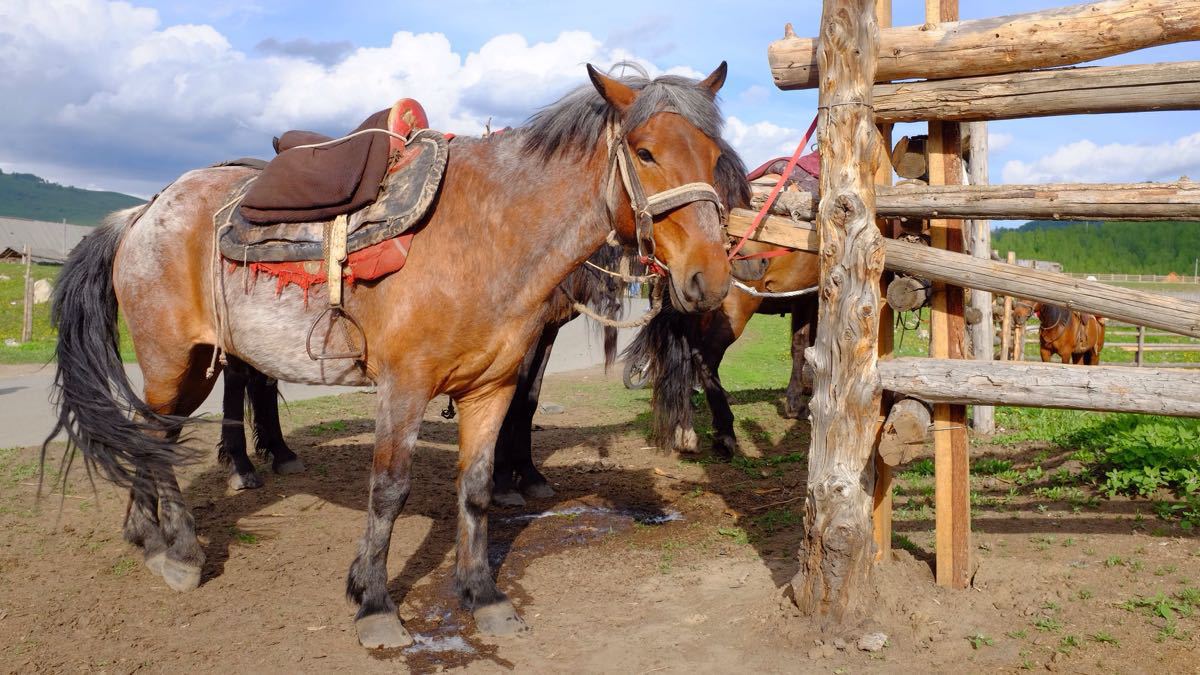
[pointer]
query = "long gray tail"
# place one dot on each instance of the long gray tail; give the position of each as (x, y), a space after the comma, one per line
(103, 418)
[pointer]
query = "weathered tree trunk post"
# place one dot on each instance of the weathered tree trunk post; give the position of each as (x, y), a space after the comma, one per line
(982, 333)
(837, 553)
(947, 334)
(27, 313)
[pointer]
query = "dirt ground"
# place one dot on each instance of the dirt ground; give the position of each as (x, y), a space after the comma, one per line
(642, 563)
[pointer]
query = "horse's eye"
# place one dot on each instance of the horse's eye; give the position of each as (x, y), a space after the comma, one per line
(644, 155)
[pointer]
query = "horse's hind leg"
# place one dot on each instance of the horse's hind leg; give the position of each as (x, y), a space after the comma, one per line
(232, 448)
(398, 421)
(533, 483)
(176, 388)
(716, 340)
(268, 437)
(141, 521)
(804, 328)
(482, 415)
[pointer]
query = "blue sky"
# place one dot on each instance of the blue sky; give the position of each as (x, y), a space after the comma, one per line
(126, 96)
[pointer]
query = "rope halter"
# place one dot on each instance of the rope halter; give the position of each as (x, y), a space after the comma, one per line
(647, 208)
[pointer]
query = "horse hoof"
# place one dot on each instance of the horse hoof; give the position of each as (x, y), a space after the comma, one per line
(500, 618)
(508, 498)
(382, 631)
(154, 563)
(538, 491)
(686, 440)
(724, 446)
(289, 467)
(245, 481)
(180, 576)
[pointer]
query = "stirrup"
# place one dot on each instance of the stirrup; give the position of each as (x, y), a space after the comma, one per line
(336, 313)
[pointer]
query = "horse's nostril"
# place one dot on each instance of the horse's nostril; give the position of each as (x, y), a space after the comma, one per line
(694, 289)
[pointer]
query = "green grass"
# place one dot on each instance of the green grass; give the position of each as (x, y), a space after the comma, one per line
(41, 348)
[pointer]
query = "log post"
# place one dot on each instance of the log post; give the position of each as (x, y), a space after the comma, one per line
(983, 421)
(1141, 347)
(27, 312)
(905, 432)
(837, 552)
(881, 499)
(947, 333)
(1019, 344)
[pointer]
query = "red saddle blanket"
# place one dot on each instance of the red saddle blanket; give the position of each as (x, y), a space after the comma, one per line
(368, 264)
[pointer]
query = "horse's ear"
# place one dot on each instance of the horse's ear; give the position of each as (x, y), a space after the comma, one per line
(618, 94)
(716, 79)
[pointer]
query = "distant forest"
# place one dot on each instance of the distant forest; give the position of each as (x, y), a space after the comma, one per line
(1114, 247)
(24, 195)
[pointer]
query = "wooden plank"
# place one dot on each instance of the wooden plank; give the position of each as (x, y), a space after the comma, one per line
(1041, 93)
(1141, 345)
(1007, 44)
(1006, 323)
(27, 304)
(1147, 390)
(1131, 305)
(836, 553)
(983, 332)
(881, 498)
(1179, 200)
(952, 507)
(1155, 346)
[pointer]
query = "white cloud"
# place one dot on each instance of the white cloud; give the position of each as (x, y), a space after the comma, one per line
(762, 141)
(98, 91)
(999, 140)
(1086, 162)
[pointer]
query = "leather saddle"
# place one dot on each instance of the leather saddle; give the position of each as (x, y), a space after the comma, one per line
(286, 210)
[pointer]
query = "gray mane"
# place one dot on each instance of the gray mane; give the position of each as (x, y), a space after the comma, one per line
(576, 122)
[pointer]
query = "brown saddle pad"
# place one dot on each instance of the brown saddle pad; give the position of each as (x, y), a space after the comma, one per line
(407, 191)
(306, 184)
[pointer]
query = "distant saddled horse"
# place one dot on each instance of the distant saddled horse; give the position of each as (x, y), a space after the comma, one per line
(515, 214)
(1076, 337)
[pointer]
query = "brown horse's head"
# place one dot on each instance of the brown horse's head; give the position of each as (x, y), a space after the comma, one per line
(672, 128)
(1022, 310)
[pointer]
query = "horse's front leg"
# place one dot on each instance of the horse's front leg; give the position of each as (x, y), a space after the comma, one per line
(397, 423)
(482, 414)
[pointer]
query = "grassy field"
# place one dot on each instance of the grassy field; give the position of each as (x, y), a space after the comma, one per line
(41, 348)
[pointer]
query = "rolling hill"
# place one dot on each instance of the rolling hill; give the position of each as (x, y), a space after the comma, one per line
(1117, 247)
(24, 195)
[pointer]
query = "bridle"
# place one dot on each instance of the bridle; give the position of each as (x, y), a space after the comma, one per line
(647, 207)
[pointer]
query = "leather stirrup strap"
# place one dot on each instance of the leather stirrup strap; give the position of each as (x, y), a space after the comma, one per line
(335, 258)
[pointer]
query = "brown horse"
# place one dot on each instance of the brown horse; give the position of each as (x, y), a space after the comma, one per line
(456, 319)
(683, 349)
(1076, 337)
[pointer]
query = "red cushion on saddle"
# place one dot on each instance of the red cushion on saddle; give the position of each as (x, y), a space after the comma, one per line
(368, 264)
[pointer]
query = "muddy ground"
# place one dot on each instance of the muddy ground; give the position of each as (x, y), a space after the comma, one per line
(642, 563)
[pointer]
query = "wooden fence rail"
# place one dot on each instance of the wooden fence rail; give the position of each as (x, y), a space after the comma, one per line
(1124, 304)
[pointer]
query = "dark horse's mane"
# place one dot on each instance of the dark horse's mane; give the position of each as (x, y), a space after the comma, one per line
(576, 122)
(1054, 314)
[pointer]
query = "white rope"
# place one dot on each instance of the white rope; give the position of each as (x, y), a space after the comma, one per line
(655, 307)
(768, 294)
(623, 277)
(347, 137)
(218, 285)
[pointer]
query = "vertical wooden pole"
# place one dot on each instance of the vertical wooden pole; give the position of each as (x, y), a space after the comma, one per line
(881, 513)
(837, 552)
(983, 419)
(1006, 322)
(951, 485)
(1141, 357)
(27, 314)
(1019, 344)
